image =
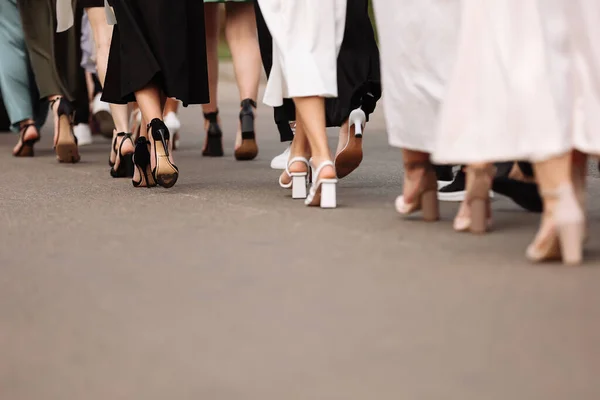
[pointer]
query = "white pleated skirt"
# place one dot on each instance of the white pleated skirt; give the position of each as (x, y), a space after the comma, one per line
(522, 87)
(307, 35)
(418, 43)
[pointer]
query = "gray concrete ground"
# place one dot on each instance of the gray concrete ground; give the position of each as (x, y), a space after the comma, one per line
(223, 288)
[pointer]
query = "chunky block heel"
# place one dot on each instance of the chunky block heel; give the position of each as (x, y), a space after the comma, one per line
(214, 136)
(299, 185)
(323, 190)
(248, 150)
(430, 206)
(479, 218)
(328, 194)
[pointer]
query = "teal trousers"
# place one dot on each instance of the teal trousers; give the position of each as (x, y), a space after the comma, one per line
(17, 83)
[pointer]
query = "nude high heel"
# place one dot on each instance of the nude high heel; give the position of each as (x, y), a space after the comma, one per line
(479, 184)
(562, 230)
(579, 185)
(425, 199)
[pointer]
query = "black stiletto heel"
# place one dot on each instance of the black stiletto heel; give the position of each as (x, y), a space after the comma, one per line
(123, 166)
(248, 150)
(141, 161)
(65, 141)
(26, 148)
(165, 173)
(214, 136)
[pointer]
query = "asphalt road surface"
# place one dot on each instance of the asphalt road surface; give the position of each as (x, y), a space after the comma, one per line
(223, 288)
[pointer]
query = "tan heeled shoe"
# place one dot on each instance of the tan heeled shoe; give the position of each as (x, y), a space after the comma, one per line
(477, 201)
(562, 230)
(425, 198)
(578, 176)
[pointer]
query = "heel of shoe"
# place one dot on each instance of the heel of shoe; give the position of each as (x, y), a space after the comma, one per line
(430, 206)
(328, 194)
(128, 167)
(247, 150)
(479, 216)
(299, 186)
(358, 130)
(571, 242)
(358, 119)
(247, 122)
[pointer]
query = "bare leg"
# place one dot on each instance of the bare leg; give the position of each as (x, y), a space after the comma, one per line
(310, 113)
(554, 178)
(152, 100)
(149, 101)
(479, 183)
(171, 105)
(240, 31)
(413, 175)
(102, 37)
(299, 148)
(211, 18)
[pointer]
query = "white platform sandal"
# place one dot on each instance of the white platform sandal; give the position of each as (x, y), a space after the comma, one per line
(299, 180)
(323, 191)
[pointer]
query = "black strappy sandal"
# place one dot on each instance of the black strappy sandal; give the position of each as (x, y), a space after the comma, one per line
(123, 167)
(165, 173)
(141, 161)
(248, 149)
(26, 146)
(65, 141)
(214, 136)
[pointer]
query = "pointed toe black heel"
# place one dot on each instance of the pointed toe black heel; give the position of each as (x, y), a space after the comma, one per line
(165, 173)
(141, 162)
(123, 166)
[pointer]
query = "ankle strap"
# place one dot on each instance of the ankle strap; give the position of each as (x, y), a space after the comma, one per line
(211, 117)
(59, 98)
(248, 102)
(295, 160)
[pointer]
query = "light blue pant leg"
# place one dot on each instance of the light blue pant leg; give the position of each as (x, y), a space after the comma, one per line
(16, 80)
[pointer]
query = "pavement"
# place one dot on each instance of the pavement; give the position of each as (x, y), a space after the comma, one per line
(224, 288)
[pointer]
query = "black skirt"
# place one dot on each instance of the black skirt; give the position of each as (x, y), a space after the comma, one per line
(160, 41)
(358, 73)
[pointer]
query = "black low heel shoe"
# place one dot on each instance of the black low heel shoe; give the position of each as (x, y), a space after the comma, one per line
(123, 166)
(141, 161)
(165, 173)
(25, 148)
(214, 136)
(248, 150)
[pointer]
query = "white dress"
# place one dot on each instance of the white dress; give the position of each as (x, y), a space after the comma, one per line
(307, 35)
(418, 44)
(513, 92)
(584, 24)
